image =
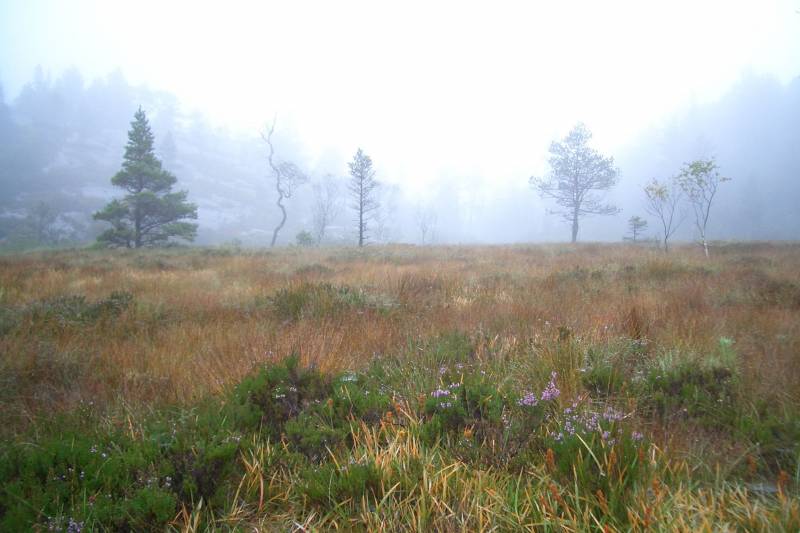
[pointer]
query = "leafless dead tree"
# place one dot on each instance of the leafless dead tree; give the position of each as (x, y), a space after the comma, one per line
(287, 178)
(426, 222)
(327, 205)
(663, 199)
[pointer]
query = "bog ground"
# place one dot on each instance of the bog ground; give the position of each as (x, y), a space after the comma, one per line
(548, 388)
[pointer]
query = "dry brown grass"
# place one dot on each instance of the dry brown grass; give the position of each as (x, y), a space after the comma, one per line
(196, 324)
(202, 319)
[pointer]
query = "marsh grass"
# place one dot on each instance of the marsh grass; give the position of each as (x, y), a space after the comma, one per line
(401, 388)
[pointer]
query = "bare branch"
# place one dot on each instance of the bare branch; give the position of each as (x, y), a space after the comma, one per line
(287, 177)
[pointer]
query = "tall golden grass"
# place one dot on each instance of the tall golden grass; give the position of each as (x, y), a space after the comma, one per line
(201, 320)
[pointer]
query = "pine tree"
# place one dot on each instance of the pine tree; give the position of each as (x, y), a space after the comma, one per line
(362, 189)
(150, 214)
(636, 226)
(579, 175)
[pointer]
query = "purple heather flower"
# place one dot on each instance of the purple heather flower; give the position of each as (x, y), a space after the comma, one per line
(551, 391)
(438, 393)
(612, 415)
(637, 436)
(529, 400)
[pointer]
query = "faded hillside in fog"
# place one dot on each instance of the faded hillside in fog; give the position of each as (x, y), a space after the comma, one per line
(62, 138)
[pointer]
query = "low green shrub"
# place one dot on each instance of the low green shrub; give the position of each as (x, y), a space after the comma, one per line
(277, 393)
(316, 301)
(774, 437)
(76, 310)
(607, 370)
(313, 411)
(330, 484)
(595, 451)
(707, 393)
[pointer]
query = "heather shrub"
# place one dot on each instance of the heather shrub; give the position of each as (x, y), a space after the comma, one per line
(330, 484)
(472, 401)
(682, 388)
(608, 370)
(277, 393)
(70, 310)
(310, 300)
(594, 450)
(773, 435)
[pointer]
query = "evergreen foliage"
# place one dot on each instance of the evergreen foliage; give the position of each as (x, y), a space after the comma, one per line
(150, 214)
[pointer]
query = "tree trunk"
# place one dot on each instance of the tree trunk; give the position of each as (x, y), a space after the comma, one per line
(574, 227)
(705, 247)
(283, 221)
(361, 227)
(137, 227)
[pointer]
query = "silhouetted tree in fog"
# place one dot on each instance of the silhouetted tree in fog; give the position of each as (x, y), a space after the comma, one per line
(662, 202)
(577, 172)
(426, 222)
(636, 227)
(363, 192)
(326, 207)
(287, 177)
(700, 181)
(149, 214)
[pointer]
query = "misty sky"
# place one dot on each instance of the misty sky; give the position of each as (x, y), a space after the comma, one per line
(431, 90)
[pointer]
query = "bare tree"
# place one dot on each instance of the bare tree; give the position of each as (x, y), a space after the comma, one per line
(327, 205)
(426, 222)
(700, 181)
(662, 202)
(636, 226)
(576, 171)
(386, 215)
(363, 191)
(287, 177)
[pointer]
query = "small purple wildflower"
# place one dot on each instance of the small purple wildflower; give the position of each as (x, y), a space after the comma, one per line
(438, 393)
(551, 391)
(612, 415)
(529, 400)
(637, 436)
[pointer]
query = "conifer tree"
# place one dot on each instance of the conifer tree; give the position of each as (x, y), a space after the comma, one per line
(579, 175)
(150, 214)
(363, 191)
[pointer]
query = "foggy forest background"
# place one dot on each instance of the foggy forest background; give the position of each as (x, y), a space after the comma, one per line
(62, 138)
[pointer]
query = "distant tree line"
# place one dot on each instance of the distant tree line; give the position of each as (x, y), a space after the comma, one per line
(61, 139)
(579, 175)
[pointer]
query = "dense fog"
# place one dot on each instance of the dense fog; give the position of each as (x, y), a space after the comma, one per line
(63, 135)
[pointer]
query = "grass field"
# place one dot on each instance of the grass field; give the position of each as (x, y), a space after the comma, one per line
(547, 388)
